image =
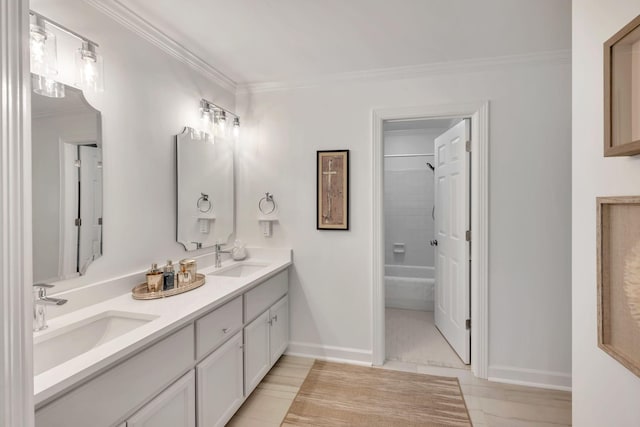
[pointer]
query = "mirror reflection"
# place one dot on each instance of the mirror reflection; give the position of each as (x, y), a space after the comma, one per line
(67, 185)
(205, 192)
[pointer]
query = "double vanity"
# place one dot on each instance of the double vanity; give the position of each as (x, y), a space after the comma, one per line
(165, 362)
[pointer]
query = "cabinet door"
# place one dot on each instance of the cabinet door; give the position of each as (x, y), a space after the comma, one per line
(220, 384)
(256, 352)
(279, 338)
(174, 407)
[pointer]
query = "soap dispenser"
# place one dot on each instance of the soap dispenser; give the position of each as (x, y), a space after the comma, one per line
(169, 276)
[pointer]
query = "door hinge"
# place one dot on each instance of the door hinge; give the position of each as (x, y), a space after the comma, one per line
(468, 235)
(78, 222)
(468, 324)
(99, 221)
(468, 146)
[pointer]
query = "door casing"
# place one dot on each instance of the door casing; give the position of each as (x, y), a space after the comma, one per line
(478, 112)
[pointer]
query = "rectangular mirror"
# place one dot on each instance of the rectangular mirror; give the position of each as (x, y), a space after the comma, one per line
(67, 185)
(205, 189)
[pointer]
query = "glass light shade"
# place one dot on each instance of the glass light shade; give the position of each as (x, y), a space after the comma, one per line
(47, 86)
(89, 69)
(236, 128)
(206, 120)
(221, 124)
(43, 49)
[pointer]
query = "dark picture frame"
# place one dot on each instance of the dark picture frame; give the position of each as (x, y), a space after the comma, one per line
(332, 190)
(621, 105)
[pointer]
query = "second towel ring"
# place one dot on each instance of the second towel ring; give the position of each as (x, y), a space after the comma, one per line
(204, 204)
(264, 202)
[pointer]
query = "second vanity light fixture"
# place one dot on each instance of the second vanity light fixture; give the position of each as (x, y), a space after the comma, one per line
(44, 59)
(215, 120)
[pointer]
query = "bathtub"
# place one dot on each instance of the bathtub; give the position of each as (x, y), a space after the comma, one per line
(409, 287)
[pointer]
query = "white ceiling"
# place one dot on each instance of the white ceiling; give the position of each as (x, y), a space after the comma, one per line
(277, 40)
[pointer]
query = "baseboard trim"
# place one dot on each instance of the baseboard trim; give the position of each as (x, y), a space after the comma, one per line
(329, 353)
(530, 377)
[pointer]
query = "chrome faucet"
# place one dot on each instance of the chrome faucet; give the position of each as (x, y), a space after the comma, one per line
(40, 300)
(218, 248)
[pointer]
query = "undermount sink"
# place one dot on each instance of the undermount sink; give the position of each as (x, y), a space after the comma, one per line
(239, 270)
(53, 348)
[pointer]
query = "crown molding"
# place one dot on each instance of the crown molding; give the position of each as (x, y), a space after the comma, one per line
(131, 20)
(414, 71)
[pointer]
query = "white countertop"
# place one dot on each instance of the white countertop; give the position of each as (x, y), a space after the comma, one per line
(173, 313)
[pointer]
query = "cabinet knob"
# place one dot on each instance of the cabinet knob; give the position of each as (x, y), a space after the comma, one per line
(225, 330)
(275, 317)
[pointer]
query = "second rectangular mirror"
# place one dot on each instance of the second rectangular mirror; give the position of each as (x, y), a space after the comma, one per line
(205, 190)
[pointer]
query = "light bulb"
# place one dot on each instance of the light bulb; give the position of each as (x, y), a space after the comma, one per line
(236, 127)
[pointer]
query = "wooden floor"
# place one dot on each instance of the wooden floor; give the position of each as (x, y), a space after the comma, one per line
(489, 403)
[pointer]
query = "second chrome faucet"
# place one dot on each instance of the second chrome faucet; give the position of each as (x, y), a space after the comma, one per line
(40, 301)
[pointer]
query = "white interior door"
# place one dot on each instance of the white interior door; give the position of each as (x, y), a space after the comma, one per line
(452, 251)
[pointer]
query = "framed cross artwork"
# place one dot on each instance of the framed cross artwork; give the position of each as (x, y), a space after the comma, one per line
(332, 190)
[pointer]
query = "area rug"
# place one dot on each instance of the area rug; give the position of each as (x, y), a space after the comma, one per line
(335, 394)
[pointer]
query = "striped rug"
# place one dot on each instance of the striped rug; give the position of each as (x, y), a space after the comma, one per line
(335, 394)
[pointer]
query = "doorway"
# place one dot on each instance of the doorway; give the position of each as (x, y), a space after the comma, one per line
(426, 280)
(411, 270)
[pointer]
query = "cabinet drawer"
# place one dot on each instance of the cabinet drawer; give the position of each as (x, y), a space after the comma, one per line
(214, 328)
(111, 396)
(264, 295)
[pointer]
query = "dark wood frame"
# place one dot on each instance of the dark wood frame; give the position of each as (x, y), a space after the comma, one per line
(319, 225)
(633, 147)
(603, 278)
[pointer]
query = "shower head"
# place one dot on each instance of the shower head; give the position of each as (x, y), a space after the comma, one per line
(433, 169)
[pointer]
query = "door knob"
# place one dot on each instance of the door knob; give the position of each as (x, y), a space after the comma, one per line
(433, 243)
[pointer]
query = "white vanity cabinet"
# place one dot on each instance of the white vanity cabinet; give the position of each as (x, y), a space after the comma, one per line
(174, 407)
(266, 339)
(108, 398)
(199, 375)
(220, 392)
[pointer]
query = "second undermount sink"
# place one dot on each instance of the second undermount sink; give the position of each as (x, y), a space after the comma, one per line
(240, 269)
(53, 348)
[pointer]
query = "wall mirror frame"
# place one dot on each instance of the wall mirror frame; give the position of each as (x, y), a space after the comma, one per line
(205, 192)
(67, 185)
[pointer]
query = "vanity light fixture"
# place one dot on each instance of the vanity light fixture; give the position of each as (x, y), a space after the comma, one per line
(214, 120)
(44, 59)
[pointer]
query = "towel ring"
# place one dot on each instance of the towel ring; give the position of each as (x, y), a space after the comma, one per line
(204, 204)
(262, 204)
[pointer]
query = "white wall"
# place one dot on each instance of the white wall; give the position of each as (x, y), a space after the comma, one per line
(149, 97)
(331, 288)
(604, 392)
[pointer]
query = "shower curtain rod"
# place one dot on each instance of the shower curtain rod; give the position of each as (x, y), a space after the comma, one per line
(408, 155)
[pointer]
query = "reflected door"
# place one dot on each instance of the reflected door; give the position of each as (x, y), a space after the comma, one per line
(90, 230)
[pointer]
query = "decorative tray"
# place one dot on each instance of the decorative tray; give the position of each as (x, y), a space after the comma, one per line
(141, 291)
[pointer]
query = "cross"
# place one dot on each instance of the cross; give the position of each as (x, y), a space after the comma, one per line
(328, 174)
